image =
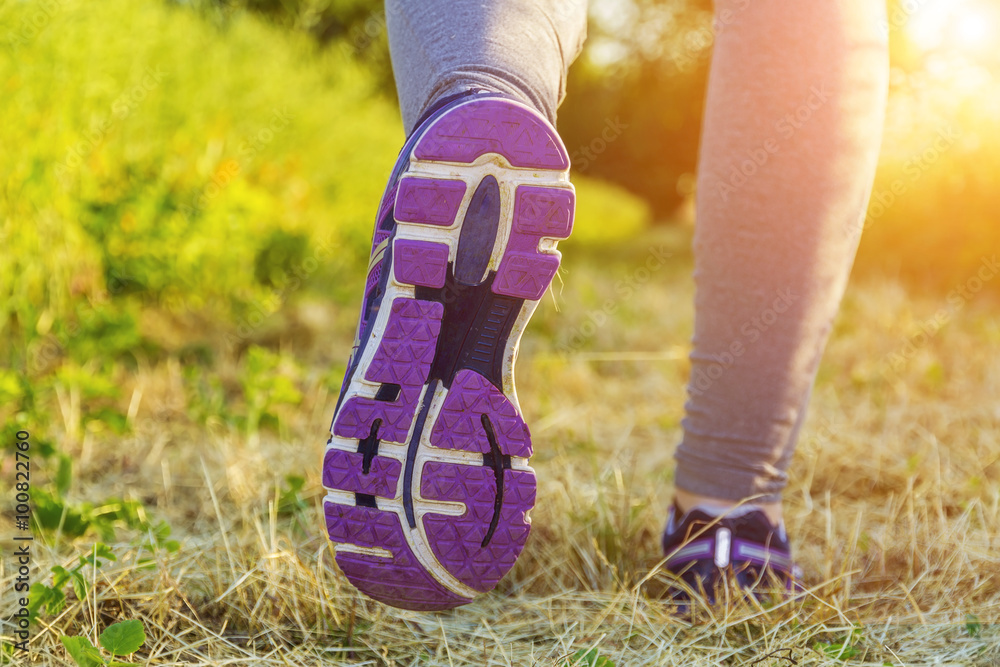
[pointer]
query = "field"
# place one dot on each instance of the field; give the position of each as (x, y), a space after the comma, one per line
(184, 221)
(893, 508)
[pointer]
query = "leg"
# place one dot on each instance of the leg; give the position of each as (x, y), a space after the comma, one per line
(518, 47)
(792, 128)
(791, 137)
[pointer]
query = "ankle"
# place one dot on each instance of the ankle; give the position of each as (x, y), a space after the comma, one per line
(685, 501)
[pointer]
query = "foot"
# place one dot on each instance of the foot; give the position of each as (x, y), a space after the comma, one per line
(709, 549)
(427, 466)
(685, 501)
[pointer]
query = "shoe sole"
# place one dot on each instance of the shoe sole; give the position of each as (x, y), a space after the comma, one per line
(426, 469)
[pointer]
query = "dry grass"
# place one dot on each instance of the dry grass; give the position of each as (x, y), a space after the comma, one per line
(894, 507)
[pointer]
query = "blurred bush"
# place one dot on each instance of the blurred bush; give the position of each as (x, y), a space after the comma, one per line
(355, 27)
(152, 158)
(635, 98)
(606, 213)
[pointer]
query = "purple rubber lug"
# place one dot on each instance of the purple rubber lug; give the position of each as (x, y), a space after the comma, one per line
(543, 211)
(459, 425)
(344, 471)
(493, 126)
(404, 357)
(429, 201)
(524, 272)
(420, 262)
(525, 275)
(399, 580)
(457, 542)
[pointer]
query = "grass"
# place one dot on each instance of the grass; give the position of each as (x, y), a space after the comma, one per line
(177, 302)
(893, 506)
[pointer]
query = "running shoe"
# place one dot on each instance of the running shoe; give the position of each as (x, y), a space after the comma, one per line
(737, 554)
(426, 470)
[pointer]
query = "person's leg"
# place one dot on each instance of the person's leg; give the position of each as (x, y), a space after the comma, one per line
(791, 136)
(518, 47)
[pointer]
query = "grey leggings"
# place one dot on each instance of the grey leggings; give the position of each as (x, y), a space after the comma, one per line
(791, 135)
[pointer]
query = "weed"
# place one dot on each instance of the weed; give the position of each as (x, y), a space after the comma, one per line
(589, 658)
(843, 650)
(972, 625)
(53, 513)
(52, 598)
(267, 387)
(119, 640)
(291, 503)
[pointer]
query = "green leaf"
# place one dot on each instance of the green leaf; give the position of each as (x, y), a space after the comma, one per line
(51, 598)
(6, 653)
(40, 595)
(79, 585)
(840, 651)
(290, 501)
(589, 658)
(60, 576)
(972, 625)
(123, 638)
(56, 602)
(101, 550)
(104, 551)
(82, 651)
(51, 512)
(64, 474)
(161, 532)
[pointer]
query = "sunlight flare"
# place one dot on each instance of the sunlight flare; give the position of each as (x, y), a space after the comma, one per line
(956, 25)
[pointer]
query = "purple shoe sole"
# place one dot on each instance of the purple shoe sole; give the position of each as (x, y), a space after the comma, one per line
(426, 470)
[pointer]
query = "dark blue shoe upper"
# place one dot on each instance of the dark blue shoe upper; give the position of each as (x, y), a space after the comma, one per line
(701, 549)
